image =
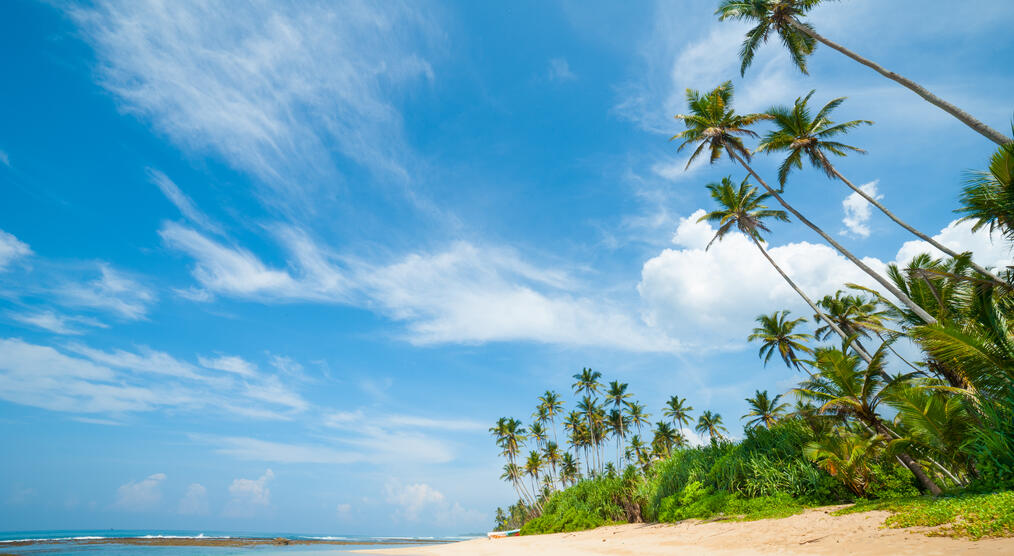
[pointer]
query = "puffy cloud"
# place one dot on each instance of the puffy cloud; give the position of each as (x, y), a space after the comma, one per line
(411, 499)
(11, 248)
(858, 210)
(960, 237)
(247, 496)
(141, 495)
(194, 501)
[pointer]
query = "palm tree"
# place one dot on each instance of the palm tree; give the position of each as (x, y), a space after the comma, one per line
(665, 437)
(514, 474)
(845, 390)
(618, 425)
(569, 468)
(713, 124)
(777, 334)
(637, 415)
(743, 208)
(988, 196)
(617, 394)
(637, 452)
(678, 410)
(799, 134)
(551, 455)
(587, 382)
(764, 410)
(551, 404)
(710, 423)
(533, 465)
(783, 18)
(847, 456)
(537, 432)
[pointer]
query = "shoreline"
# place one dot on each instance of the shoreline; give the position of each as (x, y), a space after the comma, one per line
(222, 542)
(814, 531)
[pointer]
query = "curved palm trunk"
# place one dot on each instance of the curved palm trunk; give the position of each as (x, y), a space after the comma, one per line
(854, 343)
(870, 199)
(919, 311)
(966, 118)
(910, 463)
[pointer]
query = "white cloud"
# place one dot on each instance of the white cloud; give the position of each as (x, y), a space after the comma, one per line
(186, 206)
(252, 449)
(411, 499)
(559, 70)
(230, 364)
(141, 495)
(246, 496)
(113, 292)
(194, 501)
(11, 248)
(146, 361)
(4, 159)
(55, 322)
(343, 510)
(960, 237)
(271, 390)
(272, 88)
(858, 210)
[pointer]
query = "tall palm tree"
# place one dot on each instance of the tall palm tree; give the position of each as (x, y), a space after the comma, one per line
(710, 423)
(587, 382)
(712, 124)
(745, 210)
(764, 410)
(800, 134)
(570, 468)
(515, 475)
(537, 432)
(617, 395)
(783, 18)
(552, 405)
(638, 417)
(846, 390)
(551, 455)
(677, 409)
(618, 425)
(777, 335)
(533, 466)
(988, 196)
(638, 452)
(664, 439)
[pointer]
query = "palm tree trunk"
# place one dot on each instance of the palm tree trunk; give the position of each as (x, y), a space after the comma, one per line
(910, 463)
(919, 311)
(854, 343)
(966, 118)
(870, 199)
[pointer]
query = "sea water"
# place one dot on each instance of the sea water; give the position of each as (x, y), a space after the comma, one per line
(56, 542)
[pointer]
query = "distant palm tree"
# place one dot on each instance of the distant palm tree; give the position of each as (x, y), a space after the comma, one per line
(637, 452)
(783, 18)
(617, 395)
(618, 425)
(678, 410)
(846, 390)
(665, 438)
(743, 209)
(764, 410)
(537, 432)
(638, 417)
(988, 196)
(551, 455)
(570, 470)
(587, 382)
(710, 423)
(533, 466)
(712, 124)
(777, 335)
(551, 405)
(800, 134)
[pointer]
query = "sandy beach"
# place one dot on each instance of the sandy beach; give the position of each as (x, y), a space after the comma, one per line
(812, 532)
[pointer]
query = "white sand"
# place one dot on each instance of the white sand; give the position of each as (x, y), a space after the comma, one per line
(812, 532)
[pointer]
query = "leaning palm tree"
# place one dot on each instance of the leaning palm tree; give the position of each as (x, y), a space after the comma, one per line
(551, 405)
(745, 210)
(678, 410)
(843, 389)
(783, 18)
(988, 196)
(714, 126)
(815, 137)
(764, 410)
(533, 466)
(710, 423)
(777, 335)
(637, 416)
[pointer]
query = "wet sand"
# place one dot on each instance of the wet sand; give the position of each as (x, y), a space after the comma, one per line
(812, 532)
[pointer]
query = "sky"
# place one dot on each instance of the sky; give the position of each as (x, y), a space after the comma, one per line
(279, 267)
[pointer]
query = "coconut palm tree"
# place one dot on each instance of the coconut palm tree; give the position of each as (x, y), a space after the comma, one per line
(551, 455)
(988, 196)
(552, 406)
(712, 124)
(846, 390)
(618, 425)
(537, 432)
(617, 395)
(745, 210)
(847, 456)
(533, 466)
(764, 410)
(782, 17)
(710, 423)
(515, 475)
(637, 452)
(570, 468)
(587, 382)
(814, 137)
(664, 439)
(677, 409)
(638, 417)
(777, 335)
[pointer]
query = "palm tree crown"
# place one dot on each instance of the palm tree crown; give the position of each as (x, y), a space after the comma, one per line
(764, 410)
(710, 423)
(777, 335)
(740, 207)
(771, 16)
(714, 124)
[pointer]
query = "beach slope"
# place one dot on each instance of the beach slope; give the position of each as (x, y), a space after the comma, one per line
(812, 532)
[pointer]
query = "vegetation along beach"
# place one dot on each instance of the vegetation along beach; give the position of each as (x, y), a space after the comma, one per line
(712, 277)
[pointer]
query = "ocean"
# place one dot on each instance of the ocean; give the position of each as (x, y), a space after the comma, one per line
(212, 543)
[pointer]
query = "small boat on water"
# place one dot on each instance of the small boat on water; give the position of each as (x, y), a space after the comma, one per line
(502, 534)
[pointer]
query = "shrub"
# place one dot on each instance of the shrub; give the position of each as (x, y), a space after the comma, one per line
(589, 504)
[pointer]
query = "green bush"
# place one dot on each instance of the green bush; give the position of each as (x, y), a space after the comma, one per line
(589, 504)
(974, 516)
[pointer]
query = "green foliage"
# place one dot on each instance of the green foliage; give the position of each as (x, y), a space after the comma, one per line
(992, 444)
(973, 516)
(589, 504)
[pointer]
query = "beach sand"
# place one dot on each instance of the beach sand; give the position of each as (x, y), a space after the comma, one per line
(812, 532)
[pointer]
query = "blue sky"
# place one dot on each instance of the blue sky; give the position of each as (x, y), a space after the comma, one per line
(280, 268)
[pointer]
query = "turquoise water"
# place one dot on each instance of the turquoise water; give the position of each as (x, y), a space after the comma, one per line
(58, 544)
